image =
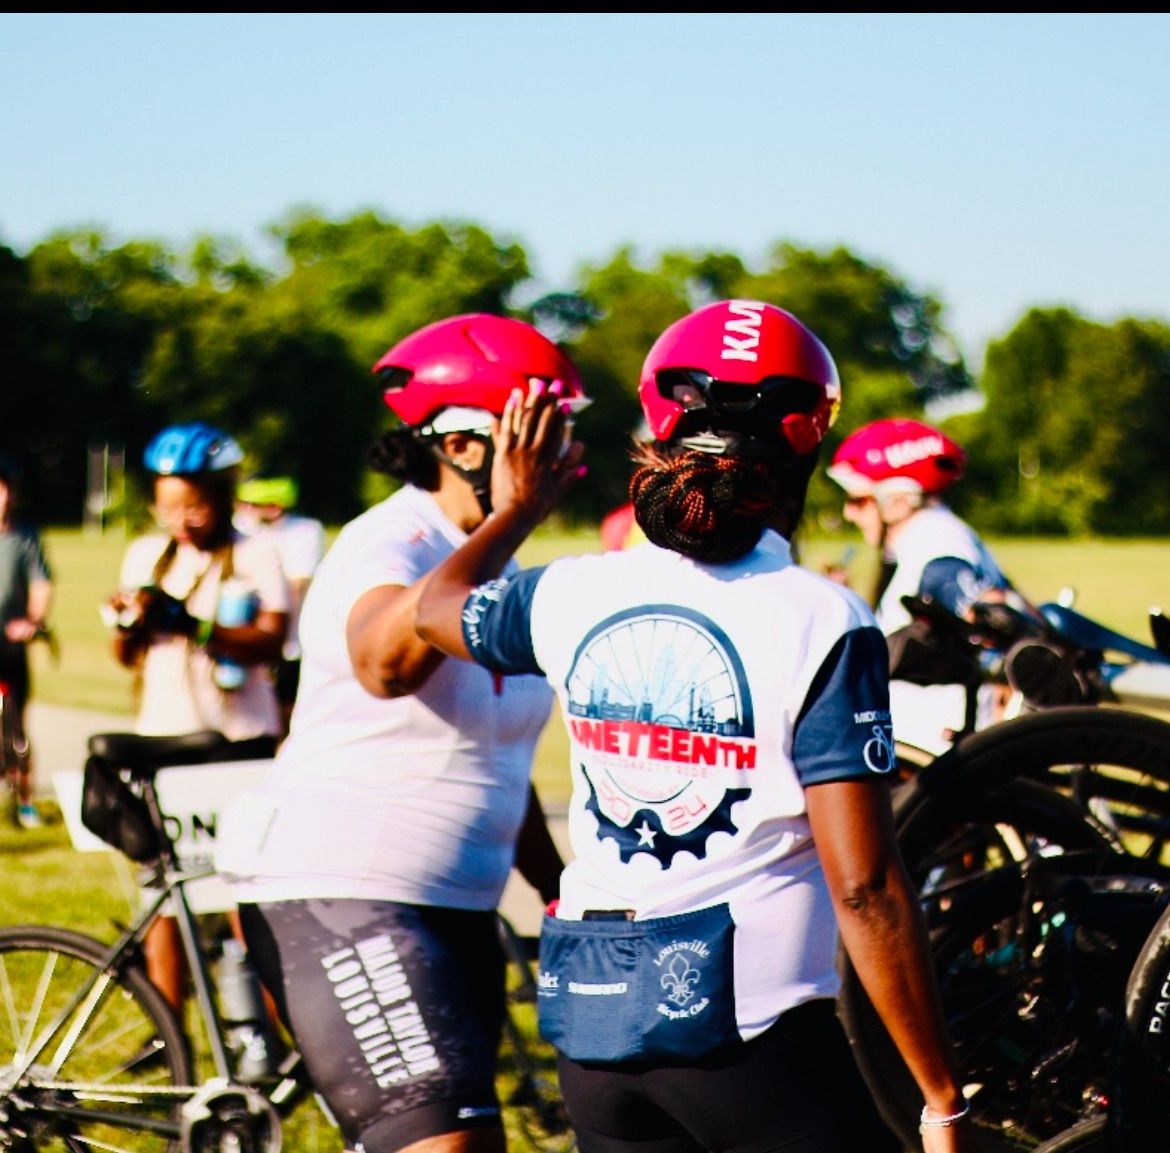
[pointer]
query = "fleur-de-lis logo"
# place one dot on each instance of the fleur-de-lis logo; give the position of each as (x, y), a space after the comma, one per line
(680, 979)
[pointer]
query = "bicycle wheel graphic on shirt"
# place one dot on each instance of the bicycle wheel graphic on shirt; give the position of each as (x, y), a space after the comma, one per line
(658, 706)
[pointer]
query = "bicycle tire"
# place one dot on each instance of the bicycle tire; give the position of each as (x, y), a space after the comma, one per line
(985, 804)
(1141, 1108)
(1084, 1137)
(116, 1068)
(1115, 763)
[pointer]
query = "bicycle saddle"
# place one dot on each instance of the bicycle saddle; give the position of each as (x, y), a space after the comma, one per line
(143, 755)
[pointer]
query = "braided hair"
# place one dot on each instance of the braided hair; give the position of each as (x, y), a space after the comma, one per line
(714, 508)
(398, 453)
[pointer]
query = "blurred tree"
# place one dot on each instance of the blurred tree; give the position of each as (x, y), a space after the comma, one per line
(109, 342)
(1072, 438)
(99, 309)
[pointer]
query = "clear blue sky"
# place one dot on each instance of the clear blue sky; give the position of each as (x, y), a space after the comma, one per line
(999, 161)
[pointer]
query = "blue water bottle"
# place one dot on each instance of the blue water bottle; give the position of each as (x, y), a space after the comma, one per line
(237, 606)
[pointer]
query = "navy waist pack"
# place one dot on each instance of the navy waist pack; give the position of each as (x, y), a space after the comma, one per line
(617, 990)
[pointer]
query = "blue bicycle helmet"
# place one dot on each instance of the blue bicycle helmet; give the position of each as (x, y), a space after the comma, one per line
(191, 449)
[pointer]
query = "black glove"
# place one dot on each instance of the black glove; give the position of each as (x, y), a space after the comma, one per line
(164, 614)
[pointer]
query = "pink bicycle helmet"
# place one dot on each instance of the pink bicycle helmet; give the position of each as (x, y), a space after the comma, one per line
(897, 455)
(739, 375)
(467, 365)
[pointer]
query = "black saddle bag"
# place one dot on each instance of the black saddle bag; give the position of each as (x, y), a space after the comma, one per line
(113, 811)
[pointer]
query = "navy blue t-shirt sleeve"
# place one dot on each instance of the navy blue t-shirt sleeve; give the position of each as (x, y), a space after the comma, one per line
(497, 620)
(844, 730)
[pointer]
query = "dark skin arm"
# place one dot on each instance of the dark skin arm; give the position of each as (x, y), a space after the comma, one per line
(388, 657)
(882, 930)
(257, 643)
(530, 475)
(538, 860)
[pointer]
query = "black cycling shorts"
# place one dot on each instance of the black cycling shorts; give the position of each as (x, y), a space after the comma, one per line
(397, 1010)
(795, 1088)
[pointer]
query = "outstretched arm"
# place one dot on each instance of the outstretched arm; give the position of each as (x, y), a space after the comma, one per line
(530, 473)
(883, 932)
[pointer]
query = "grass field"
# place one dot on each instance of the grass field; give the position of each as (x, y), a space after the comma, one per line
(1116, 582)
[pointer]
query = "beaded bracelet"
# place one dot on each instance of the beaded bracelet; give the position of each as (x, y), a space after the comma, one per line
(203, 633)
(925, 1121)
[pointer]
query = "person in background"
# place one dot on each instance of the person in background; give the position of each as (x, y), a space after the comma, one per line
(619, 529)
(26, 596)
(894, 473)
(264, 507)
(731, 758)
(193, 671)
(379, 846)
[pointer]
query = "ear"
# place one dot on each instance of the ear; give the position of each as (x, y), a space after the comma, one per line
(464, 450)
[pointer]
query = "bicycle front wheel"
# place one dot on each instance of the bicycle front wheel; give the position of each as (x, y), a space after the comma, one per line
(91, 1055)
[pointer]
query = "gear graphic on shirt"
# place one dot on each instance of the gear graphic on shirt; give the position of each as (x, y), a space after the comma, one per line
(659, 700)
(646, 835)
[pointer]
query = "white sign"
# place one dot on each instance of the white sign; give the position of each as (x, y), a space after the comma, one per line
(192, 797)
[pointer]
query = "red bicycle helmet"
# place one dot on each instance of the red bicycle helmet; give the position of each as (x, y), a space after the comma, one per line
(897, 455)
(738, 374)
(472, 361)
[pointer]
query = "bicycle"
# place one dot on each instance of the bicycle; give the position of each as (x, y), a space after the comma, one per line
(93, 1057)
(1138, 1117)
(1036, 909)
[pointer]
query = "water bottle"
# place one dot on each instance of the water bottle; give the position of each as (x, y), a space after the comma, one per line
(237, 606)
(249, 1031)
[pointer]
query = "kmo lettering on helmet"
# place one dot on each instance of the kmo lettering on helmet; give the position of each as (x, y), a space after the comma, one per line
(741, 333)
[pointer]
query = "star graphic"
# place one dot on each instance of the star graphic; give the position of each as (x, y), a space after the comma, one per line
(646, 835)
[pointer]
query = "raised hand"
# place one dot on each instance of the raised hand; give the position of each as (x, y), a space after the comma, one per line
(535, 463)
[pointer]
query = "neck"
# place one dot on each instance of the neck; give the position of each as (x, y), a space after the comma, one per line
(458, 500)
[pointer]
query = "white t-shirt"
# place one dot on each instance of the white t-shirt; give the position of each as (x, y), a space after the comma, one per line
(937, 554)
(701, 701)
(178, 690)
(933, 534)
(415, 799)
(300, 541)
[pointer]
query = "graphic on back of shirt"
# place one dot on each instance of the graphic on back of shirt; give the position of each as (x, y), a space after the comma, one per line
(660, 712)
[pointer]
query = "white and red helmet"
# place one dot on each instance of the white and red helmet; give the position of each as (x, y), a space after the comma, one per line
(739, 374)
(898, 455)
(447, 376)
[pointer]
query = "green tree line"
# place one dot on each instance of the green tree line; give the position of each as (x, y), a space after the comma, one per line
(106, 343)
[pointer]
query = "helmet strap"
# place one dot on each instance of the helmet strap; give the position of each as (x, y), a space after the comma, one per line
(479, 478)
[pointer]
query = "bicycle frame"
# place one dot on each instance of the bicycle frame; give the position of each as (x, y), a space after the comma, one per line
(206, 1095)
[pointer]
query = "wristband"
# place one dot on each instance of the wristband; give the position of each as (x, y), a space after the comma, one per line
(926, 1121)
(202, 634)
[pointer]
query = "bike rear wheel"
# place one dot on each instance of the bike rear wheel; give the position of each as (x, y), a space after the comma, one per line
(1141, 1113)
(107, 1070)
(969, 826)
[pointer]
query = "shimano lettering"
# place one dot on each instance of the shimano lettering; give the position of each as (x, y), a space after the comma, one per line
(741, 337)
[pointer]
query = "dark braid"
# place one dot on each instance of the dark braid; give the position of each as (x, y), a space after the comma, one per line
(400, 455)
(714, 508)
